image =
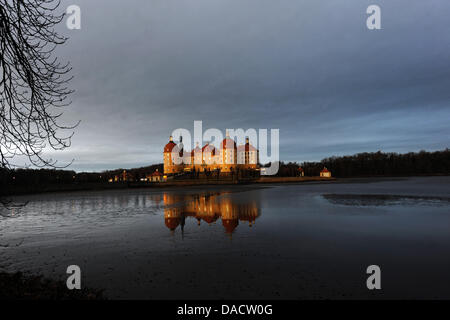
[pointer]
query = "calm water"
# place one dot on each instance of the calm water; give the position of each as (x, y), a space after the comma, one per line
(284, 241)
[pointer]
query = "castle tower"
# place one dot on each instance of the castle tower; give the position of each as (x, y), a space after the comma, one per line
(196, 157)
(169, 167)
(228, 154)
(248, 155)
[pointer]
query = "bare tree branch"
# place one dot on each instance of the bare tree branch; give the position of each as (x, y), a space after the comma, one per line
(33, 83)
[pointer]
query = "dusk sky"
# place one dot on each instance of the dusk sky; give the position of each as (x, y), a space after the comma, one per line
(309, 68)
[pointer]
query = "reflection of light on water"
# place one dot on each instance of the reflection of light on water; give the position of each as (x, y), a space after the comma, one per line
(385, 200)
(9, 212)
(209, 208)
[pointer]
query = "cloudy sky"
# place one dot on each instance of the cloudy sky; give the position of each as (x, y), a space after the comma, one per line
(310, 68)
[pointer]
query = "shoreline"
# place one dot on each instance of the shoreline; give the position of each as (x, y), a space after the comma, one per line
(32, 190)
(102, 186)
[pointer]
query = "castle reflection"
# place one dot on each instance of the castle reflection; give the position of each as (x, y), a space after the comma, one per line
(209, 208)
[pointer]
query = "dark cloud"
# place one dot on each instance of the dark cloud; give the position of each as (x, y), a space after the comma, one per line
(309, 68)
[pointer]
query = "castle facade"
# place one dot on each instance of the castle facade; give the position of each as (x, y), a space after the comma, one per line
(229, 158)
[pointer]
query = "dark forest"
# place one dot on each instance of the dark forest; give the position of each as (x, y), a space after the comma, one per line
(358, 165)
(375, 164)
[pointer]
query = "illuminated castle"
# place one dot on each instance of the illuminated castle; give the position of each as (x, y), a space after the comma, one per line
(229, 158)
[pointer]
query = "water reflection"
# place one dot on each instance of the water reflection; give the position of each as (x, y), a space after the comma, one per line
(210, 208)
(386, 200)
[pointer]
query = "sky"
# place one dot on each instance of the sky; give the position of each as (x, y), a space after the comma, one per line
(309, 68)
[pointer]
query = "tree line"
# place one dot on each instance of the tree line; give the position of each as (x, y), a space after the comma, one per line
(358, 165)
(34, 180)
(375, 164)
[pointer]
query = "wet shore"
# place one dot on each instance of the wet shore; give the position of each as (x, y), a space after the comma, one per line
(93, 186)
(286, 241)
(17, 286)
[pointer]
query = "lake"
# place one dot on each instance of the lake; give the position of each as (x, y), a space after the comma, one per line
(288, 241)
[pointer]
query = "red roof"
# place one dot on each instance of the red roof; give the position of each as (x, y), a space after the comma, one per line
(169, 146)
(209, 219)
(300, 169)
(172, 223)
(156, 173)
(324, 170)
(208, 148)
(197, 150)
(228, 143)
(230, 224)
(246, 147)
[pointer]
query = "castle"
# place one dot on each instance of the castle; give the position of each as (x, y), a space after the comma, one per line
(228, 159)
